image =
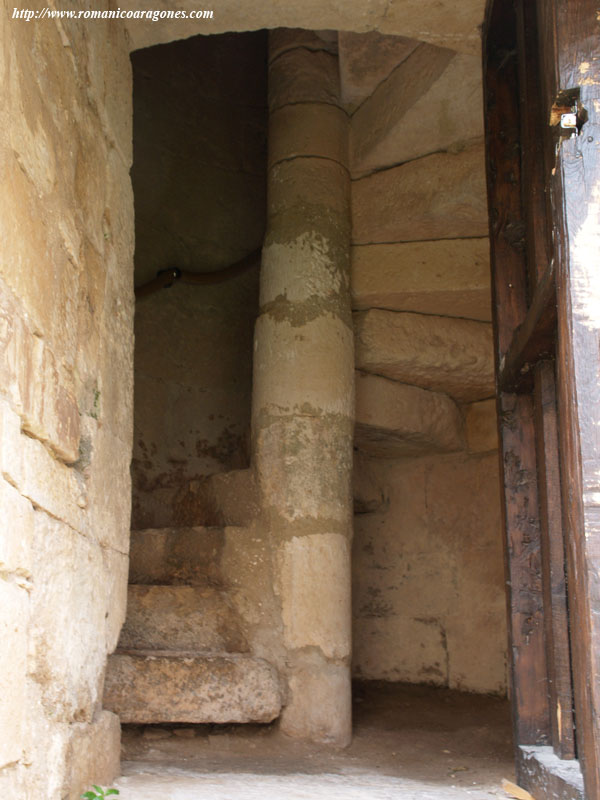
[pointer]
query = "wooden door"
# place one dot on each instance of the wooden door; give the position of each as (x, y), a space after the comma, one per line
(542, 109)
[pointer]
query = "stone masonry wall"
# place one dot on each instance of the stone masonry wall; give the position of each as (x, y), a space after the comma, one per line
(199, 178)
(66, 307)
(428, 581)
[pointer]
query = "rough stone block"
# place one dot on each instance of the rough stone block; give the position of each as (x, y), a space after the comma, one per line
(431, 102)
(442, 196)
(172, 556)
(393, 419)
(66, 633)
(15, 541)
(93, 754)
(12, 782)
(46, 482)
(454, 356)
(149, 688)
(247, 565)
(114, 595)
(444, 24)
(366, 60)
(314, 575)
(197, 619)
(450, 277)
(108, 488)
(482, 426)
(303, 76)
(34, 384)
(14, 617)
(308, 129)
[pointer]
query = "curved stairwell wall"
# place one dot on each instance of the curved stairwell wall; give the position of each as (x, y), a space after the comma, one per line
(428, 579)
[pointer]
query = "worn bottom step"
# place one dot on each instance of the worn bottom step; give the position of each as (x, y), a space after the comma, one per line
(153, 687)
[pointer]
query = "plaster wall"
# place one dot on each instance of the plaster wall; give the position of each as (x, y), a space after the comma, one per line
(66, 313)
(199, 178)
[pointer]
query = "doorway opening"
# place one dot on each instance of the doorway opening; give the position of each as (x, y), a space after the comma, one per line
(427, 574)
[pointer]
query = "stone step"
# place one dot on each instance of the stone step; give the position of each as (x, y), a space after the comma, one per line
(149, 687)
(429, 103)
(181, 618)
(393, 419)
(175, 556)
(444, 354)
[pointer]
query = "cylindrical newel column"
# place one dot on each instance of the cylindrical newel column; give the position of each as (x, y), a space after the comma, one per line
(303, 403)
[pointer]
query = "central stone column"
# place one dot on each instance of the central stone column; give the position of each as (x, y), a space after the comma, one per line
(303, 404)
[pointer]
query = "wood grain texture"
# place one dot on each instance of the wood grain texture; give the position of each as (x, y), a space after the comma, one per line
(531, 722)
(556, 621)
(571, 47)
(533, 340)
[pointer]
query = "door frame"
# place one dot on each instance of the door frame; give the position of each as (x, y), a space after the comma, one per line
(541, 61)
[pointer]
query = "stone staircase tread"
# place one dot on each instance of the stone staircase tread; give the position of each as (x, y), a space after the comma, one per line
(152, 687)
(166, 617)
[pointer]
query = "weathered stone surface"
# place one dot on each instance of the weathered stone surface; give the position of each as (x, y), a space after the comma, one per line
(366, 60)
(115, 567)
(67, 629)
(248, 568)
(283, 39)
(449, 277)
(93, 754)
(202, 398)
(432, 101)
(108, 488)
(176, 556)
(307, 370)
(39, 477)
(312, 577)
(313, 192)
(14, 618)
(15, 543)
(428, 579)
(303, 76)
(187, 688)
(376, 657)
(328, 717)
(367, 492)
(305, 469)
(236, 496)
(66, 240)
(308, 129)
(447, 355)
(442, 23)
(393, 419)
(481, 426)
(442, 196)
(30, 378)
(197, 619)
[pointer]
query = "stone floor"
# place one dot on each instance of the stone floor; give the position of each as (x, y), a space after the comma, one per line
(410, 743)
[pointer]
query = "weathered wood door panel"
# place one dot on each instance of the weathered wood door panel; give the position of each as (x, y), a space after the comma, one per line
(542, 61)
